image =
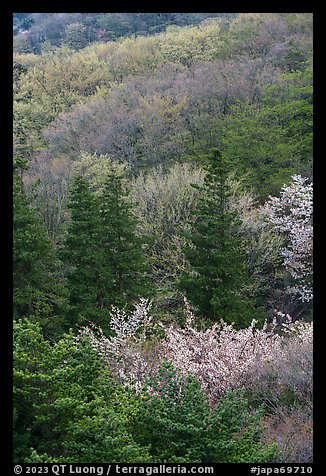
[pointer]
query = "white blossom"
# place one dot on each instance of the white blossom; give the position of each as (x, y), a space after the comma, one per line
(291, 214)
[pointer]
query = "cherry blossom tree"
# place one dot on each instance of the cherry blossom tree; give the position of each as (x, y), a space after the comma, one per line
(291, 214)
(267, 361)
(126, 352)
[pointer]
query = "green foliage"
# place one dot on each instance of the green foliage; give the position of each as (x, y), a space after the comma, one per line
(190, 44)
(218, 276)
(123, 248)
(272, 140)
(52, 29)
(32, 250)
(102, 251)
(51, 84)
(29, 381)
(167, 88)
(67, 409)
(177, 423)
(87, 278)
(96, 168)
(76, 36)
(164, 204)
(36, 292)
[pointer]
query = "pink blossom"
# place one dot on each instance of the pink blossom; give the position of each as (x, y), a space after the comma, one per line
(220, 357)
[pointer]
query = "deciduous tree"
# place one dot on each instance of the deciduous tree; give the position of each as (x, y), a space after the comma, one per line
(291, 214)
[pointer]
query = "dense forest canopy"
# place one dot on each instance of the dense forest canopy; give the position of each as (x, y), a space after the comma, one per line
(80, 29)
(163, 237)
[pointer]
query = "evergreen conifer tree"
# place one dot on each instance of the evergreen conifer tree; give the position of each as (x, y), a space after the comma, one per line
(31, 255)
(122, 247)
(87, 278)
(102, 251)
(36, 291)
(218, 265)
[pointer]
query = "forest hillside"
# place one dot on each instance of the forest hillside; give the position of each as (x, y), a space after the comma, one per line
(163, 237)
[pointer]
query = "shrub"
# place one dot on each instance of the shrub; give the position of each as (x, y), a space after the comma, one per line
(271, 362)
(292, 430)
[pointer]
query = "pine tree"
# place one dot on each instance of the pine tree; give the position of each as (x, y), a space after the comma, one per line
(123, 248)
(218, 264)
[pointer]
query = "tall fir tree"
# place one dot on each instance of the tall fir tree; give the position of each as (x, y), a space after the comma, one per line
(103, 255)
(123, 248)
(37, 293)
(82, 253)
(218, 272)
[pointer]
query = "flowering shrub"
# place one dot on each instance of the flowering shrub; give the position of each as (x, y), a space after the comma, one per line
(223, 358)
(127, 353)
(273, 364)
(269, 361)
